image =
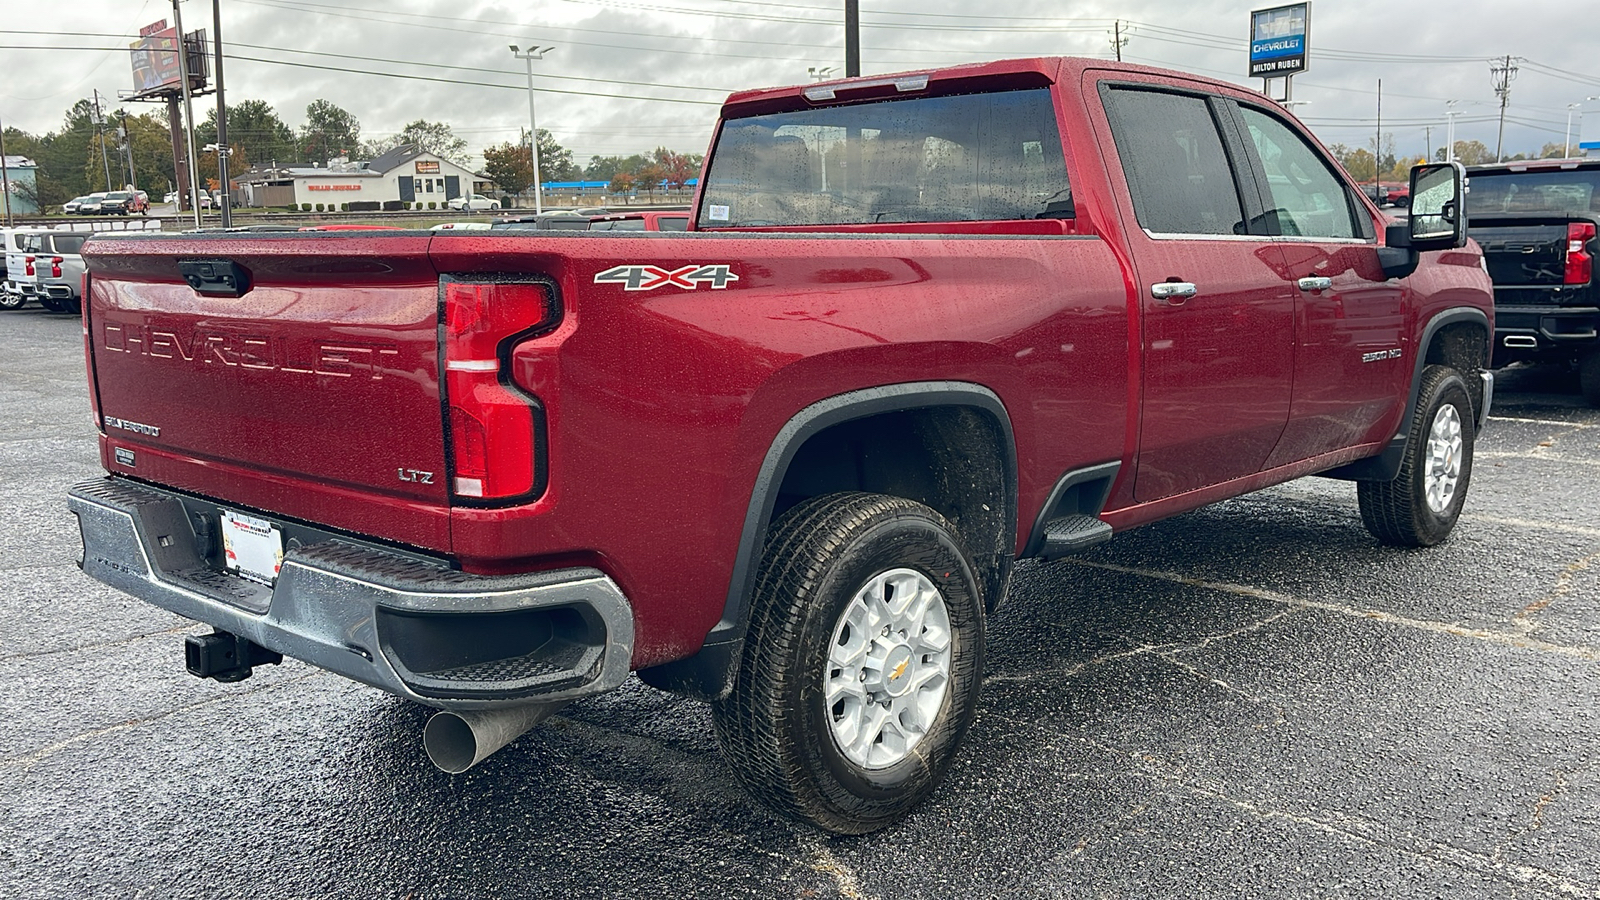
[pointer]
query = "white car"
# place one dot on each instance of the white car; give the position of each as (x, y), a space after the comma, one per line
(472, 203)
(461, 226)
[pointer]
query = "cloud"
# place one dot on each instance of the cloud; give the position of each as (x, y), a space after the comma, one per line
(1426, 55)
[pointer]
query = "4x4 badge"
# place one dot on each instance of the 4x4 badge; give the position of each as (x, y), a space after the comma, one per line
(648, 278)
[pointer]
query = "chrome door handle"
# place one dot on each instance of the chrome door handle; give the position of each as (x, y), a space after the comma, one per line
(1174, 292)
(1315, 284)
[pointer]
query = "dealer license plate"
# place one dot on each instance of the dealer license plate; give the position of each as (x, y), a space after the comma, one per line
(252, 547)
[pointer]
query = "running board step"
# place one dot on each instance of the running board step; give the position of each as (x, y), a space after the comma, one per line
(1069, 534)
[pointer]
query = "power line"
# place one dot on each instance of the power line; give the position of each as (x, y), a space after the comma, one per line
(400, 62)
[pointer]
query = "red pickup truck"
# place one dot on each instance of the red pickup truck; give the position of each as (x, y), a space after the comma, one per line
(923, 326)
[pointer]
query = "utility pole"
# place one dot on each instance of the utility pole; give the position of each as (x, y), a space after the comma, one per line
(1502, 72)
(1566, 153)
(1117, 40)
(188, 113)
(224, 150)
(852, 38)
(127, 149)
(1427, 143)
(5, 176)
(1377, 142)
(100, 129)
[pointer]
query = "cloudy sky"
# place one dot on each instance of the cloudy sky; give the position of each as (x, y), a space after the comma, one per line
(629, 75)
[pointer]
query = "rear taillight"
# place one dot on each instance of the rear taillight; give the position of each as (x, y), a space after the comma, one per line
(27, 266)
(55, 266)
(1580, 263)
(494, 427)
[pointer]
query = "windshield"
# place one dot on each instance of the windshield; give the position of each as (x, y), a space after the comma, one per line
(974, 157)
(1534, 193)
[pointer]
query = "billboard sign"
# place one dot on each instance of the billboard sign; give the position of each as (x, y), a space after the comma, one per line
(1280, 38)
(155, 59)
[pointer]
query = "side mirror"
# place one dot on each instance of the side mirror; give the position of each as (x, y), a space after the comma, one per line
(1438, 209)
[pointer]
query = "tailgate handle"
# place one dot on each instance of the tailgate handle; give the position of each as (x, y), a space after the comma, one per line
(215, 277)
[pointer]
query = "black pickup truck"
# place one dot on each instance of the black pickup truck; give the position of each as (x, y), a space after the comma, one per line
(1537, 221)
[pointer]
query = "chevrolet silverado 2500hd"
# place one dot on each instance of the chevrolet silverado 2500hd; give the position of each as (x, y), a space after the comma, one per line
(922, 326)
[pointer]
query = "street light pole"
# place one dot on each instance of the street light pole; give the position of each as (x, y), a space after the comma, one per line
(1566, 147)
(530, 55)
(1450, 113)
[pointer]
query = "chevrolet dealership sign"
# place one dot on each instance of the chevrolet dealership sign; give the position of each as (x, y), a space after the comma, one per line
(1279, 40)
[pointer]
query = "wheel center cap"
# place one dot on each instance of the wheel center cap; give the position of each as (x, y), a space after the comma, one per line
(898, 671)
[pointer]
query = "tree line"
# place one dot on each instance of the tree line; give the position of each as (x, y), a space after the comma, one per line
(1363, 165)
(85, 155)
(511, 167)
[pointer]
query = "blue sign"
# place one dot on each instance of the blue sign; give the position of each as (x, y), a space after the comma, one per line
(1279, 38)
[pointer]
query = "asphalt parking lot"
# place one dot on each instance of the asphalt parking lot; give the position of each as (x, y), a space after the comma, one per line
(1251, 700)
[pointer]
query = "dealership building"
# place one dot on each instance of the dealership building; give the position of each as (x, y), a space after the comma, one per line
(405, 174)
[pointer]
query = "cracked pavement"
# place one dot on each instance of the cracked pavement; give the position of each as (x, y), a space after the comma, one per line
(1251, 700)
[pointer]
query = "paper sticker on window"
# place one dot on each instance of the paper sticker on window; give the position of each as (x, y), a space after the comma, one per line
(717, 213)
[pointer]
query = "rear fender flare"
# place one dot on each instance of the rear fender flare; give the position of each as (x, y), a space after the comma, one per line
(710, 672)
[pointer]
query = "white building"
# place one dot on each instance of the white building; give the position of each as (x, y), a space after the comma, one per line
(403, 175)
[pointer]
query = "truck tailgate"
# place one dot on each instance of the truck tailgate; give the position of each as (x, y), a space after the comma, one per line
(1522, 252)
(313, 394)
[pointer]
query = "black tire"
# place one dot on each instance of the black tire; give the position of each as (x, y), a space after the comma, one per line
(9, 300)
(50, 303)
(1400, 512)
(777, 727)
(1589, 377)
(73, 306)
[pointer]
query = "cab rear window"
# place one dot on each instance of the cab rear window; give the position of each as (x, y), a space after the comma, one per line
(972, 157)
(1535, 193)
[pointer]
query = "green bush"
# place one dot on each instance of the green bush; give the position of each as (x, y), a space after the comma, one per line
(305, 207)
(344, 207)
(432, 205)
(320, 207)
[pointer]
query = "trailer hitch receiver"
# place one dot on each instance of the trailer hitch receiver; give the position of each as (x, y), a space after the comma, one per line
(225, 657)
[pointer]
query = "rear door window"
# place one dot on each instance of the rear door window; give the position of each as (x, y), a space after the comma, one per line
(1177, 169)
